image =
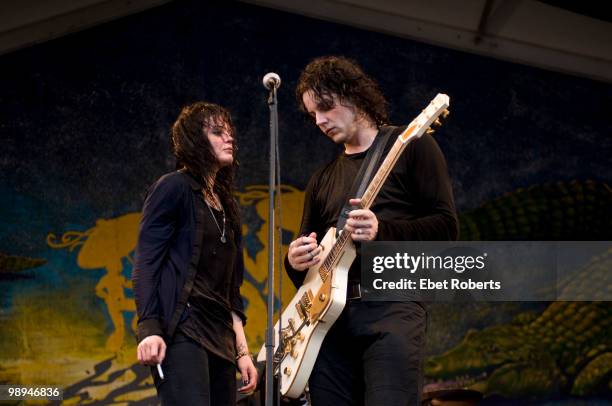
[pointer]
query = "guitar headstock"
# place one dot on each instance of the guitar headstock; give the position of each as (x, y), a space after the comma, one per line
(434, 113)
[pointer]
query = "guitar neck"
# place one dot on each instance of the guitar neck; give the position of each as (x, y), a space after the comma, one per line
(382, 174)
(415, 130)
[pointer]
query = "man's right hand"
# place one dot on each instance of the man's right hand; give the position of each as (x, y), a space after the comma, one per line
(303, 252)
(151, 350)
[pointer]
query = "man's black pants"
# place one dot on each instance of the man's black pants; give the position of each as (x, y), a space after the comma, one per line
(194, 376)
(372, 355)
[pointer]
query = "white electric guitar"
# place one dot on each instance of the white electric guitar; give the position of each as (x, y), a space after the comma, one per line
(321, 298)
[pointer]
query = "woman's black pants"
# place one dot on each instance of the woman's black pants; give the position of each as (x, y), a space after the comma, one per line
(194, 376)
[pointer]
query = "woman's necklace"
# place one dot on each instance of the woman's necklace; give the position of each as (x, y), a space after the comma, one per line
(221, 231)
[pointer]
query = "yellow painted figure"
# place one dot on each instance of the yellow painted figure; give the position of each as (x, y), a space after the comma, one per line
(105, 246)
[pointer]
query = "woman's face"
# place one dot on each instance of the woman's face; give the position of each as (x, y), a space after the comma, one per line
(221, 139)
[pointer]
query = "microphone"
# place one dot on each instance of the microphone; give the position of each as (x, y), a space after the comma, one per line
(271, 80)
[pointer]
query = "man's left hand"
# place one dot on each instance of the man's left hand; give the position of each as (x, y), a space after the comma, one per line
(361, 223)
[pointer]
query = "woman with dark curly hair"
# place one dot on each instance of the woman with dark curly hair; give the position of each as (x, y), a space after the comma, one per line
(189, 268)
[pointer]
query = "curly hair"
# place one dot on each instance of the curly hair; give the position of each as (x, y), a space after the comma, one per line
(336, 75)
(193, 152)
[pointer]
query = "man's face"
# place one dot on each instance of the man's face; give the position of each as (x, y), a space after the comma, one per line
(221, 139)
(337, 120)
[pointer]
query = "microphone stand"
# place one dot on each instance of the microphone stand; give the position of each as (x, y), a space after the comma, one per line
(272, 104)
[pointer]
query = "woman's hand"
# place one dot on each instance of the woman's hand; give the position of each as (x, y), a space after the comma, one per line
(151, 350)
(248, 373)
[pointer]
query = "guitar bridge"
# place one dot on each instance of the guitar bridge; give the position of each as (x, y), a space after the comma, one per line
(304, 304)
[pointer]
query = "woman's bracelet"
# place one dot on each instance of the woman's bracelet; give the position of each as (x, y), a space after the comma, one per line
(242, 354)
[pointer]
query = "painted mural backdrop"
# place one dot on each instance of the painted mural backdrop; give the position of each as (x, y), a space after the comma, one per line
(84, 130)
(81, 335)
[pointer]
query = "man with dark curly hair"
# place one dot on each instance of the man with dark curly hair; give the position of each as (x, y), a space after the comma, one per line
(373, 354)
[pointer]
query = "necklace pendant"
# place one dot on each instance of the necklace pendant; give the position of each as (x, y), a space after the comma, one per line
(223, 239)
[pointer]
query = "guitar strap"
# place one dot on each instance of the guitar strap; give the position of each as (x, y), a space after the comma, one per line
(368, 165)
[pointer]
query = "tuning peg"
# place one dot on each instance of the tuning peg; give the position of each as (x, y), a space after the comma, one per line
(437, 123)
(445, 113)
(430, 131)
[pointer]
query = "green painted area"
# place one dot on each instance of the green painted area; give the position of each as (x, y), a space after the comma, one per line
(562, 211)
(566, 349)
(14, 263)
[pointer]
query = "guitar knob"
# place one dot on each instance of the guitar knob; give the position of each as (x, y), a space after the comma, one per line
(437, 122)
(322, 297)
(287, 371)
(294, 353)
(300, 337)
(430, 131)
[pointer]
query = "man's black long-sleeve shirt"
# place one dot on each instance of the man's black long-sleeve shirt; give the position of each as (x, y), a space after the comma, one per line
(415, 203)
